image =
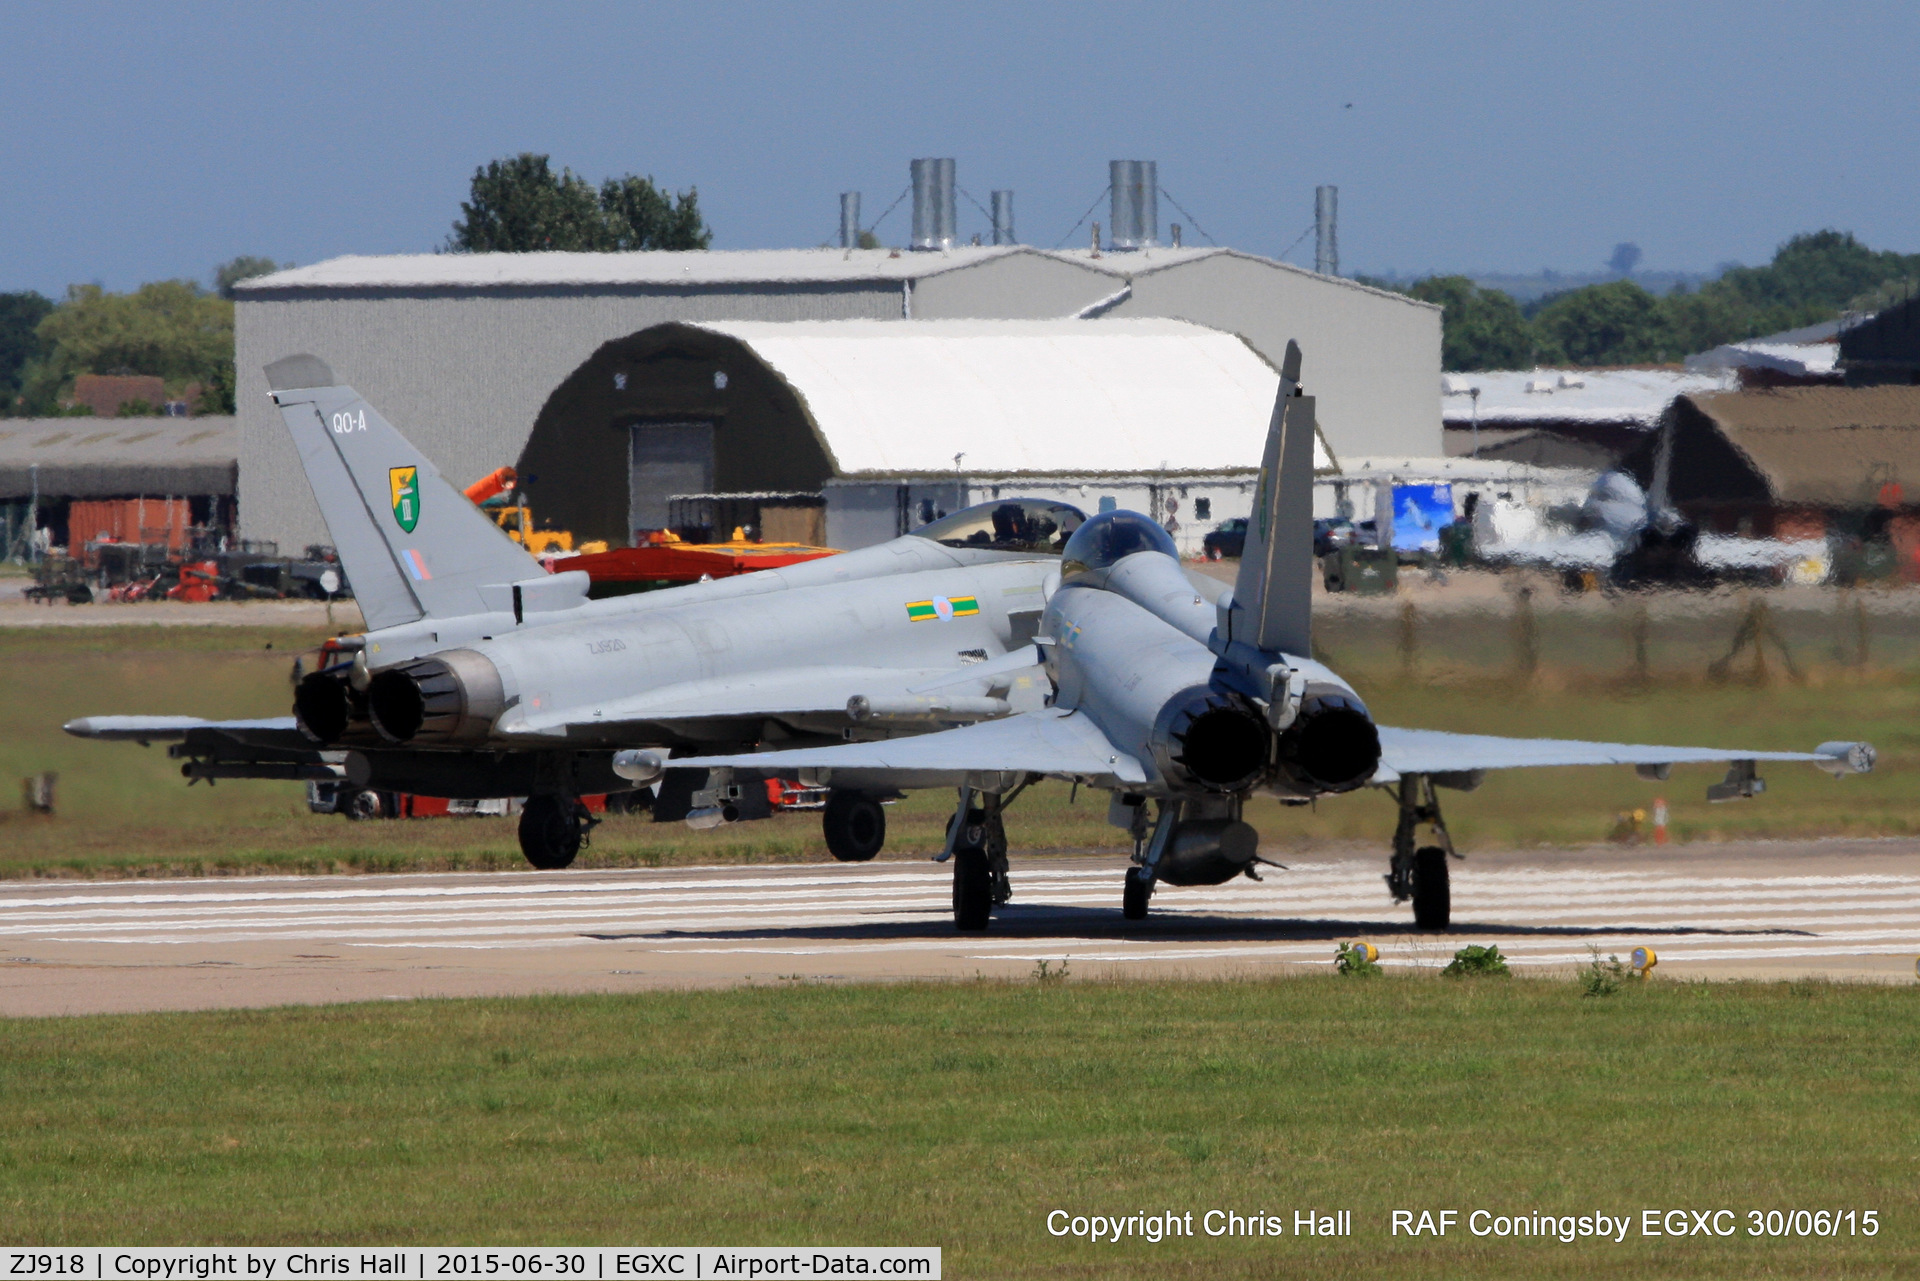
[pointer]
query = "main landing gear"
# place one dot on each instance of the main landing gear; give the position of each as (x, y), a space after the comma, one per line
(977, 846)
(855, 825)
(1419, 871)
(552, 830)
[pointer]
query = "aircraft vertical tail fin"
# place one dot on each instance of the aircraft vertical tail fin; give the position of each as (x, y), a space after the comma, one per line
(1272, 605)
(413, 546)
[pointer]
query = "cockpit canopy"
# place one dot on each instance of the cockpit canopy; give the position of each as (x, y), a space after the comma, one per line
(1110, 537)
(1009, 525)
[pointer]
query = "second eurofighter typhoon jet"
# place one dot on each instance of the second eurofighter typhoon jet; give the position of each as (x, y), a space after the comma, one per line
(1009, 642)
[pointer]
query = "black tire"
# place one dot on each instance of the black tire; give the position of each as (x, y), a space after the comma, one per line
(550, 832)
(361, 804)
(854, 824)
(972, 890)
(1133, 901)
(1432, 896)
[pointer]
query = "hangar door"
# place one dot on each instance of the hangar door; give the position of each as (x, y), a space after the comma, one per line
(665, 459)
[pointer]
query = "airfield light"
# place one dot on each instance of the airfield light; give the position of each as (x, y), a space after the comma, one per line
(1644, 959)
(1368, 952)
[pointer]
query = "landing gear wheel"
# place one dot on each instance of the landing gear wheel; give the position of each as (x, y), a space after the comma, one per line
(855, 826)
(972, 890)
(1432, 896)
(551, 831)
(1133, 902)
(365, 803)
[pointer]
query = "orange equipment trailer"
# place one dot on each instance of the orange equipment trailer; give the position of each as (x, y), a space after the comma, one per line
(672, 561)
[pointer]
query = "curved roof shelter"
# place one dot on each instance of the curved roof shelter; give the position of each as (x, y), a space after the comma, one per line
(746, 406)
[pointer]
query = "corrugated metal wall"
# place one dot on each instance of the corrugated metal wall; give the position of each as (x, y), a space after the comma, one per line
(462, 375)
(1371, 359)
(1025, 286)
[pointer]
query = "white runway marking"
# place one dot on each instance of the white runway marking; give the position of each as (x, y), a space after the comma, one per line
(1538, 916)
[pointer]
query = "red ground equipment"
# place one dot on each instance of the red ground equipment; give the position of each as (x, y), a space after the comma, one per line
(199, 582)
(667, 562)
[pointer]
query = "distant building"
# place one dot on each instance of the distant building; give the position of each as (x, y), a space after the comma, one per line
(105, 394)
(1559, 418)
(1792, 463)
(1808, 357)
(465, 353)
(678, 424)
(186, 467)
(1884, 348)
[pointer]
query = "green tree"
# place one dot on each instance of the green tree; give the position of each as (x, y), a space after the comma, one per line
(638, 215)
(1812, 276)
(20, 317)
(245, 267)
(1617, 323)
(1481, 328)
(521, 206)
(169, 328)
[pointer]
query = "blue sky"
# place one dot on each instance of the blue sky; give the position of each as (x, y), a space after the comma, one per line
(151, 141)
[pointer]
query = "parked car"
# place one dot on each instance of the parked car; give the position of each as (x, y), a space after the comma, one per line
(1334, 532)
(1228, 538)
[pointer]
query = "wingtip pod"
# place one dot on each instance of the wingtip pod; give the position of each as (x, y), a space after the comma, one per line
(135, 729)
(1842, 759)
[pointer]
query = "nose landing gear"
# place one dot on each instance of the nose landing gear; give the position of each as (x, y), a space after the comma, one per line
(977, 843)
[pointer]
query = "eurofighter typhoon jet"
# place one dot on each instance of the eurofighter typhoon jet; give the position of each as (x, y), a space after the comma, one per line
(1165, 699)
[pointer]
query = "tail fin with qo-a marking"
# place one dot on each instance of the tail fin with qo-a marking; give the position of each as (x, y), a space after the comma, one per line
(413, 546)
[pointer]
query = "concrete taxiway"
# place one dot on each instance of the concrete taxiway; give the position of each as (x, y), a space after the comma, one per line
(1848, 909)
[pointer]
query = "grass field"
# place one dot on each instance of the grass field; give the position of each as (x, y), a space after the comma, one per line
(125, 810)
(960, 1115)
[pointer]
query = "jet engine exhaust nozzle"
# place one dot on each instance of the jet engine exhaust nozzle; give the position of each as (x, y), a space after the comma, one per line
(452, 697)
(1332, 746)
(1211, 740)
(326, 707)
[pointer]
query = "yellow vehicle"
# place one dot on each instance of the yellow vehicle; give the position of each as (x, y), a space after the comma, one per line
(495, 494)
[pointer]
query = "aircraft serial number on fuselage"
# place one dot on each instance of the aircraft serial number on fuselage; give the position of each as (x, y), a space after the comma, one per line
(609, 646)
(488, 1263)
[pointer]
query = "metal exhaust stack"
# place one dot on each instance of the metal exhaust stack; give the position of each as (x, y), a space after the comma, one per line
(1326, 230)
(1003, 218)
(933, 208)
(849, 220)
(1135, 189)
